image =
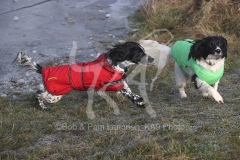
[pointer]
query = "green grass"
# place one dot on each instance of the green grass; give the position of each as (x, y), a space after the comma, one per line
(192, 128)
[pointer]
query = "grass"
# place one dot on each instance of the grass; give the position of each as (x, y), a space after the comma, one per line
(193, 128)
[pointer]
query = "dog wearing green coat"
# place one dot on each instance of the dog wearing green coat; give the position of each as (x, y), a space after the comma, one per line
(201, 60)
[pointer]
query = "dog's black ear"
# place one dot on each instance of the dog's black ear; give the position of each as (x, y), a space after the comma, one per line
(196, 49)
(116, 54)
(224, 47)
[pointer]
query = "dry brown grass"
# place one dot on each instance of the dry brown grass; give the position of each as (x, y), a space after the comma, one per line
(193, 19)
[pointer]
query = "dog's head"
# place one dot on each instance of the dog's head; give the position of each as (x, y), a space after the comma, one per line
(211, 49)
(129, 51)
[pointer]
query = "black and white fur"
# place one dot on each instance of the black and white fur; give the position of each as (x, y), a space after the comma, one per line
(130, 51)
(209, 52)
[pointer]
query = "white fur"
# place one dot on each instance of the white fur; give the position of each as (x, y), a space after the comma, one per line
(216, 64)
(48, 97)
(162, 55)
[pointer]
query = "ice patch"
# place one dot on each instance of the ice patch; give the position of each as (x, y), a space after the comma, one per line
(123, 8)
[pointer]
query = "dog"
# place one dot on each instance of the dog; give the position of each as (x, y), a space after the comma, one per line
(161, 55)
(201, 60)
(103, 74)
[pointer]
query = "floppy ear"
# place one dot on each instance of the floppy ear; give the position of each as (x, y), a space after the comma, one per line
(116, 55)
(224, 47)
(196, 49)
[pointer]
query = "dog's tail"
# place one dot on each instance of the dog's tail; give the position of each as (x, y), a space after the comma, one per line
(28, 62)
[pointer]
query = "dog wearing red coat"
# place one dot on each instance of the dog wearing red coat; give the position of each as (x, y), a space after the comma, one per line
(102, 74)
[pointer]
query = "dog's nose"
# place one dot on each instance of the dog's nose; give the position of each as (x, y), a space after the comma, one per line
(218, 50)
(150, 59)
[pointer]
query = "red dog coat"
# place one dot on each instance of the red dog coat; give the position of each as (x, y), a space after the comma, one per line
(60, 80)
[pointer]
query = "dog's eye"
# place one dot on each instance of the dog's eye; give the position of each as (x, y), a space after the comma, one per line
(219, 43)
(211, 44)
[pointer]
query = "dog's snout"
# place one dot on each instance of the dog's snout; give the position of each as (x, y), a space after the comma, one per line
(218, 50)
(150, 59)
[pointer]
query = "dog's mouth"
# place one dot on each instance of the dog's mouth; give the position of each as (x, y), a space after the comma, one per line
(146, 60)
(211, 63)
(213, 59)
(144, 64)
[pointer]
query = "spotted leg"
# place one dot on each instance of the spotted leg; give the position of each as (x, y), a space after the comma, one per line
(43, 95)
(136, 99)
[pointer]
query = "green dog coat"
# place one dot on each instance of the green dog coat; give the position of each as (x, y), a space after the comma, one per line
(180, 51)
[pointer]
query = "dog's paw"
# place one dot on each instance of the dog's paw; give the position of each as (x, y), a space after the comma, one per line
(218, 98)
(140, 102)
(141, 105)
(207, 95)
(220, 101)
(43, 108)
(40, 105)
(138, 99)
(182, 94)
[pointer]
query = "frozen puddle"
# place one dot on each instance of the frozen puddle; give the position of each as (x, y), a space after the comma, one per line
(41, 30)
(122, 8)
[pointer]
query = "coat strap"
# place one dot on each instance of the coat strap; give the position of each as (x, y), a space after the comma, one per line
(69, 77)
(81, 77)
